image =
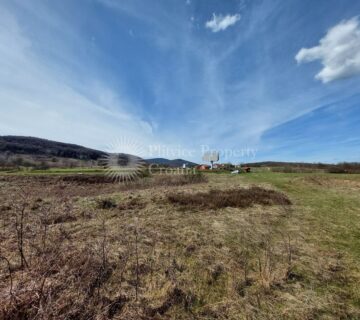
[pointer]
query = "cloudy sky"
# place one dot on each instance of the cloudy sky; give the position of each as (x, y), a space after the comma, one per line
(280, 78)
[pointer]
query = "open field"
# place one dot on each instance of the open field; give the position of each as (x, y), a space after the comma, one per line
(272, 246)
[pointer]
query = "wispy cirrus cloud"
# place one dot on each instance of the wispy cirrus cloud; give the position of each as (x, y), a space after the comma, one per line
(167, 81)
(37, 99)
(221, 22)
(338, 51)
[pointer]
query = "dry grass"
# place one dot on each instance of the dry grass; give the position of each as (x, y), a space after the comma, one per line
(157, 180)
(87, 185)
(236, 198)
(132, 255)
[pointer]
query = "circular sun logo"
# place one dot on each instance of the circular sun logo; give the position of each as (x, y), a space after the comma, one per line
(123, 161)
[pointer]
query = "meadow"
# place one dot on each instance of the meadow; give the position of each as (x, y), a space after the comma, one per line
(262, 245)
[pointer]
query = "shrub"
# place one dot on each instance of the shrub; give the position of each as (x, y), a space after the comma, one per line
(336, 169)
(241, 198)
(345, 167)
(106, 204)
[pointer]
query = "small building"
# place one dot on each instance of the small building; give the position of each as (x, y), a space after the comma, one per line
(203, 167)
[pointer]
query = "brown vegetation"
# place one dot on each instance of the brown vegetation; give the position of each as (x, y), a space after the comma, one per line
(306, 167)
(236, 198)
(88, 185)
(132, 255)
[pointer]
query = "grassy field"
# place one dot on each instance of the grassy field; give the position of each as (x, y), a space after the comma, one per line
(172, 248)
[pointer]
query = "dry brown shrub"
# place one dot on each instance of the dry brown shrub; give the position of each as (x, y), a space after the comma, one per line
(241, 198)
(63, 283)
(106, 204)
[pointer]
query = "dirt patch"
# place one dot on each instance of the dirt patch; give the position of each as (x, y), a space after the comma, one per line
(238, 198)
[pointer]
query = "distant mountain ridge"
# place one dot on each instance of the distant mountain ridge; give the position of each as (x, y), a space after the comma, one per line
(31, 146)
(171, 163)
(284, 163)
(37, 146)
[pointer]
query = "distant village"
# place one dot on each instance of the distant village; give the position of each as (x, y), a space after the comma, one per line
(223, 167)
(213, 156)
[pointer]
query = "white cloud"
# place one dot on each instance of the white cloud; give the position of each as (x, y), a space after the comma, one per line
(338, 51)
(220, 22)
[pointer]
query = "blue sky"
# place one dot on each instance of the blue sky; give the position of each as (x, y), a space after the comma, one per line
(280, 78)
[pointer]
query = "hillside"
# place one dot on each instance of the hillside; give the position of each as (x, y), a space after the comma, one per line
(35, 146)
(285, 164)
(30, 151)
(279, 166)
(170, 163)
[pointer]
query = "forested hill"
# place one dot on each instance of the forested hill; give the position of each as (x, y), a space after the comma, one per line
(38, 146)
